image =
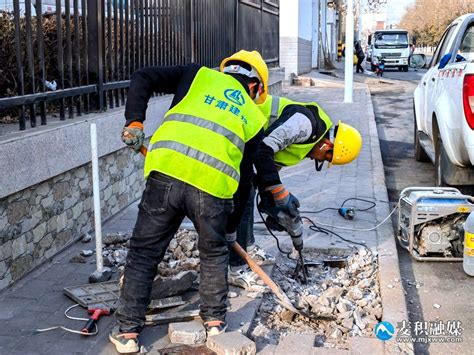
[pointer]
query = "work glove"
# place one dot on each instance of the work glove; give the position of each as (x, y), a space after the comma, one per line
(284, 201)
(133, 135)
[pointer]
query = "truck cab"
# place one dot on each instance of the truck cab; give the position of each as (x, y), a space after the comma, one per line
(390, 45)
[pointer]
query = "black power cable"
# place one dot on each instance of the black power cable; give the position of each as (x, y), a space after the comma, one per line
(372, 205)
(272, 234)
(317, 228)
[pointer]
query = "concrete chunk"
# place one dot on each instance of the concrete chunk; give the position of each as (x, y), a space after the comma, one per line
(164, 287)
(296, 344)
(191, 333)
(232, 343)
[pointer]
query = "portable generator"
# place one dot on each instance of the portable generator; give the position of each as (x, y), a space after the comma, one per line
(430, 222)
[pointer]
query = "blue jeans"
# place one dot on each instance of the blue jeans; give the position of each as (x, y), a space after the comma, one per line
(245, 236)
(164, 204)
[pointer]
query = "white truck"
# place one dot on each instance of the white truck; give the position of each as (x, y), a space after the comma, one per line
(390, 45)
(443, 106)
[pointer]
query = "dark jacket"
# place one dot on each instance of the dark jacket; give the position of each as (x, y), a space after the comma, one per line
(359, 52)
(177, 80)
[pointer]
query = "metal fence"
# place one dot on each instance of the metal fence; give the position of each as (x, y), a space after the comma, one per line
(78, 58)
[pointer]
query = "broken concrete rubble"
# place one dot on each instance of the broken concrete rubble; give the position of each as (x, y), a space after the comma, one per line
(231, 343)
(86, 238)
(191, 333)
(351, 295)
(115, 238)
(170, 286)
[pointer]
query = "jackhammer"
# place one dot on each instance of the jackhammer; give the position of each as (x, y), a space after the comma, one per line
(279, 220)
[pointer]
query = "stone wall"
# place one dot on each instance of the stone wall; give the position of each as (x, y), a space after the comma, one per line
(37, 222)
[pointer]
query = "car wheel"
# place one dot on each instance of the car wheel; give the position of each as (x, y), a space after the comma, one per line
(438, 173)
(420, 154)
(405, 68)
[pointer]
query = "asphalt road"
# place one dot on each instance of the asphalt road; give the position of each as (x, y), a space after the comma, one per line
(443, 284)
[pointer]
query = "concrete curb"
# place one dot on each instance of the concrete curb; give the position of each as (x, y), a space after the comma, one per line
(389, 271)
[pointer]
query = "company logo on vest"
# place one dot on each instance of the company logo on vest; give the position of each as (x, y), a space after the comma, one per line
(235, 96)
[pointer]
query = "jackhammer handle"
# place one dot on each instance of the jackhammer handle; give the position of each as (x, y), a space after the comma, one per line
(265, 278)
(87, 329)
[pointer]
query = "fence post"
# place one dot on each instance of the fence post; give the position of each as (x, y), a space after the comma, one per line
(95, 54)
(190, 44)
(236, 25)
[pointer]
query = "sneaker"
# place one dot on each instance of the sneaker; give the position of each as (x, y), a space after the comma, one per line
(215, 327)
(125, 343)
(260, 256)
(246, 279)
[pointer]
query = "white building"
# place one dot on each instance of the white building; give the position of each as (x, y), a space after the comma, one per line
(309, 30)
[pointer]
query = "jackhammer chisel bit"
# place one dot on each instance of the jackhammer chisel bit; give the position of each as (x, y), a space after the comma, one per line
(303, 269)
(294, 227)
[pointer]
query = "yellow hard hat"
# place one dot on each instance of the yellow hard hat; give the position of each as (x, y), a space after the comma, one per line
(347, 144)
(259, 68)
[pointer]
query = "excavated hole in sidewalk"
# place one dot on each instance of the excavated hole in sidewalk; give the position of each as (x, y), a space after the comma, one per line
(350, 295)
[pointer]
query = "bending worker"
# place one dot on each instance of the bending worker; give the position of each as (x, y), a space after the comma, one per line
(199, 158)
(294, 131)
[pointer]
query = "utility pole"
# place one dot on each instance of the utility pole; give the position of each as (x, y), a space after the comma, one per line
(359, 20)
(324, 25)
(349, 63)
(315, 35)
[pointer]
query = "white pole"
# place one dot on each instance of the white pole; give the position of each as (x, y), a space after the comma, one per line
(315, 37)
(359, 21)
(96, 196)
(349, 52)
(324, 26)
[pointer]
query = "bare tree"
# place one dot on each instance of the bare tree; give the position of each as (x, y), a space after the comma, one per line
(427, 19)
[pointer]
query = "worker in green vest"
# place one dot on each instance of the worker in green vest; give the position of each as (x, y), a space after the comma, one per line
(293, 131)
(199, 164)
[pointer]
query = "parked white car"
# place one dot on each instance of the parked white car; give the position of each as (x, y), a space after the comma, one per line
(443, 106)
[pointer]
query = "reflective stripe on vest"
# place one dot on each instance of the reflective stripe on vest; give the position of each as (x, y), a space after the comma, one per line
(202, 139)
(294, 153)
(231, 136)
(200, 156)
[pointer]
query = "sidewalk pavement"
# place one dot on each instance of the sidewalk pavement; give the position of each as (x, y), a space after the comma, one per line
(37, 301)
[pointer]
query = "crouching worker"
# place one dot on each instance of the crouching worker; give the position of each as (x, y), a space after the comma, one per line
(293, 131)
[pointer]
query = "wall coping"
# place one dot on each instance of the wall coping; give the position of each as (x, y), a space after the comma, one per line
(32, 156)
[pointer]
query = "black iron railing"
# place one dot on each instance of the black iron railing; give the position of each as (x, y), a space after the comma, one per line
(78, 56)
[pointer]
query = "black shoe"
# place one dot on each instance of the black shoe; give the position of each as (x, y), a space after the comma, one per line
(215, 327)
(125, 343)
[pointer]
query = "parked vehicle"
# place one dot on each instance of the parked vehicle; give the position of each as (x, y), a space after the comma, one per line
(392, 46)
(443, 105)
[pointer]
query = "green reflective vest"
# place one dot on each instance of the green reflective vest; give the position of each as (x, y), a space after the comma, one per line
(201, 140)
(294, 153)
